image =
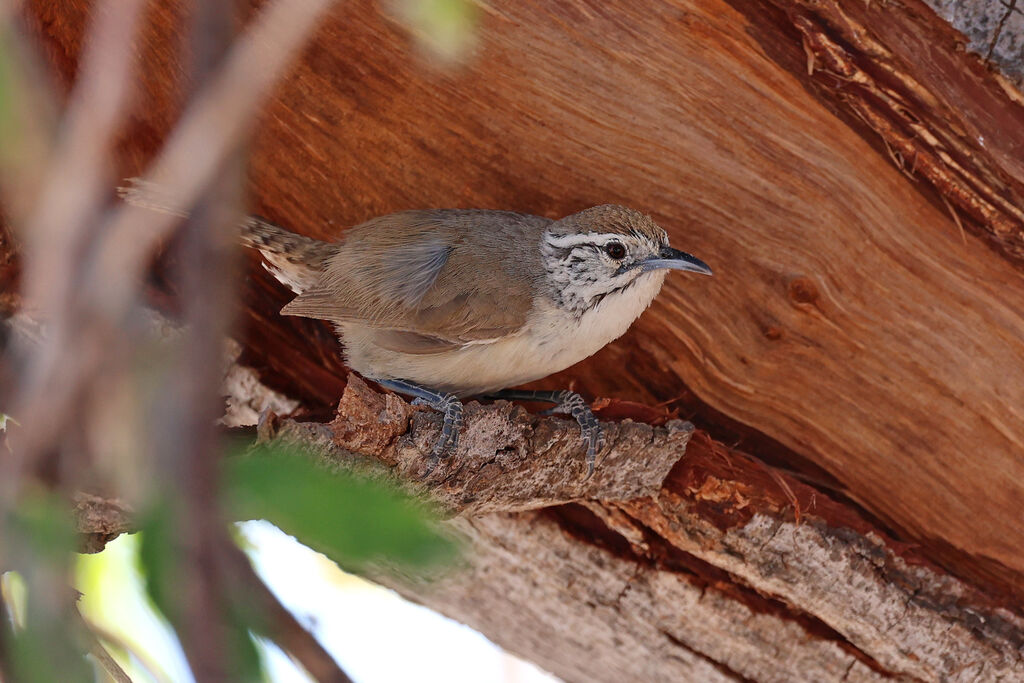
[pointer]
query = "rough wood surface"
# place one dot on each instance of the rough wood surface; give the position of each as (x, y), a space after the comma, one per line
(853, 176)
(704, 566)
(508, 459)
(852, 322)
(99, 520)
(715, 567)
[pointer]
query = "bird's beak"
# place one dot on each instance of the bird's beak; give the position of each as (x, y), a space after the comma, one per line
(675, 260)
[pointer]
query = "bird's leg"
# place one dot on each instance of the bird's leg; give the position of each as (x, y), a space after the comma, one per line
(448, 404)
(568, 403)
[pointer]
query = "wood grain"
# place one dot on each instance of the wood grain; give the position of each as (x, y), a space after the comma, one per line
(849, 320)
(899, 343)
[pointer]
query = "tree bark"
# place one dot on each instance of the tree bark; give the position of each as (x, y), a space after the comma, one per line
(851, 172)
(680, 559)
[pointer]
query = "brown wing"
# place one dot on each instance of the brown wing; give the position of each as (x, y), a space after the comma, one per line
(432, 280)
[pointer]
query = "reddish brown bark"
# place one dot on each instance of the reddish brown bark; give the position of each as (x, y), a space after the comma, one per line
(851, 174)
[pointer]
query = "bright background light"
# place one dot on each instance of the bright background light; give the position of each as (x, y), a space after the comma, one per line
(375, 635)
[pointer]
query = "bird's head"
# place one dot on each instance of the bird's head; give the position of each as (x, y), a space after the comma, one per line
(605, 250)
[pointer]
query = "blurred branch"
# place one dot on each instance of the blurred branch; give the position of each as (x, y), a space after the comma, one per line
(189, 464)
(78, 170)
(106, 285)
(144, 659)
(212, 127)
(79, 384)
(283, 628)
(100, 652)
(28, 117)
(57, 233)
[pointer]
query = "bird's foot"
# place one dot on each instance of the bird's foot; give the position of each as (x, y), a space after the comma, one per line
(571, 403)
(448, 405)
(451, 407)
(567, 403)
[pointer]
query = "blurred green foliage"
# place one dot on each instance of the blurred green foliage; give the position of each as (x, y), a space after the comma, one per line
(157, 559)
(447, 28)
(350, 519)
(42, 523)
(160, 559)
(45, 647)
(353, 520)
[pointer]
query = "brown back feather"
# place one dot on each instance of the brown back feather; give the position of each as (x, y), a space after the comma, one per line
(442, 277)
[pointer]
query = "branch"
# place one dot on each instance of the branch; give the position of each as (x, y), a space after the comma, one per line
(99, 651)
(99, 520)
(507, 459)
(283, 628)
(653, 564)
(680, 556)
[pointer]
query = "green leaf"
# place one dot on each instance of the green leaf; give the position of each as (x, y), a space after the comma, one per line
(43, 524)
(42, 538)
(157, 559)
(350, 519)
(447, 28)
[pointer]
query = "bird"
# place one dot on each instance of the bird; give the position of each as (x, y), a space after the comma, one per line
(445, 304)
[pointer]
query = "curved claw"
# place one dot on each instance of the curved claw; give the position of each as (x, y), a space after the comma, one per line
(431, 466)
(593, 438)
(448, 404)
(448, 441)
(571, 403)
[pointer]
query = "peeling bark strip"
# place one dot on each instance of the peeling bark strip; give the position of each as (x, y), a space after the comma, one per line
(877, 63)
(711, 566)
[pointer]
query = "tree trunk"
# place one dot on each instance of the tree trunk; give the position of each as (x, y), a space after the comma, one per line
(853, 504)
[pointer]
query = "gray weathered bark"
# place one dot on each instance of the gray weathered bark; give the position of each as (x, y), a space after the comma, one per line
(680, 559)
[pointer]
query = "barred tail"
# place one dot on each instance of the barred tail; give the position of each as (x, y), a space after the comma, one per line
(295, 260)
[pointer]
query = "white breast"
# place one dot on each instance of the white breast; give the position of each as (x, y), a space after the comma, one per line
(552, 340)
(576, 339)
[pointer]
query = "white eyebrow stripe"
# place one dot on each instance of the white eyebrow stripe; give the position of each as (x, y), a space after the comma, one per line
(570, 241)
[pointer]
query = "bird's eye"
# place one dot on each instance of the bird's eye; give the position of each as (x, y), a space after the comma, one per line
(615, 250)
